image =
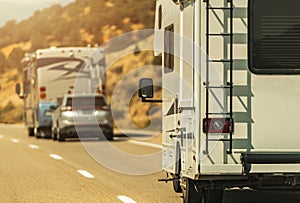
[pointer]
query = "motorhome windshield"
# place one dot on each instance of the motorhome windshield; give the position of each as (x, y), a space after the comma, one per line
(274, 42)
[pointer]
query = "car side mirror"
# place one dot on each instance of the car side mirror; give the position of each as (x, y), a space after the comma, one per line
(53, 108)
(146, 88)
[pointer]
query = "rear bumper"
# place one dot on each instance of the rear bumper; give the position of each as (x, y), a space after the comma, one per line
(264, 161)
(270, 158)
(85, 130)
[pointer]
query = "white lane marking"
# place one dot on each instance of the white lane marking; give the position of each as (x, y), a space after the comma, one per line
(147, 144)
(85, 174)
(1, 136)
(125, 199)
(15, 140)
(32, 146)
(55, 156)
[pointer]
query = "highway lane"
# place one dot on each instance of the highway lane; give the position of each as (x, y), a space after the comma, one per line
(39, 170)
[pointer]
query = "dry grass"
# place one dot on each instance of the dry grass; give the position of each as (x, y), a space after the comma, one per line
(11, 106)
(123, 73)
(8, 49)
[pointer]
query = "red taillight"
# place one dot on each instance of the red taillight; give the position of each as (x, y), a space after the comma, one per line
(42, 89)
(105, 108)
(43, 95)
(217, 125)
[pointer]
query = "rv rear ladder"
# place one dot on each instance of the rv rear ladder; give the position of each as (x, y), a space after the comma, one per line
(227, 114)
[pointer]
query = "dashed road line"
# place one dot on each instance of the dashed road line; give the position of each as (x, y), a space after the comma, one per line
(32, 146)
(15, 140)
(55, 156)
(125, 199)
(85, 173)
(147, 144)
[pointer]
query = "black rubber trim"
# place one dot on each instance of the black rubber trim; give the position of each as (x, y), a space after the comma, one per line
(270, 158)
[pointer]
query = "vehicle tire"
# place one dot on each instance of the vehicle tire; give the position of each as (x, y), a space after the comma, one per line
(60, 136)
(30, 132)
(54, 134)
(43, 133)
(37, 133)
(214, 196)
(176, 184)
(190, 193)
(47, 133)
(176, 181)
(110, 135)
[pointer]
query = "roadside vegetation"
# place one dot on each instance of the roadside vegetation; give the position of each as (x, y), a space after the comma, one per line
(77, 24)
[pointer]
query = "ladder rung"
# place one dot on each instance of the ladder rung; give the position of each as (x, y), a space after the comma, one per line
(219, 34)
(218, 113)
(219, 8)
(227, 63)
(219, 87)
(220, 61)
(224, 140)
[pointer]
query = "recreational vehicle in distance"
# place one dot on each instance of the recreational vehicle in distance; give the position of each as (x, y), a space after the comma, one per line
(231, 95)
(51, 73)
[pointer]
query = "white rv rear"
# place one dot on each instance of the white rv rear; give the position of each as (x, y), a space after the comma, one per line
(51, 73)
(231, 83)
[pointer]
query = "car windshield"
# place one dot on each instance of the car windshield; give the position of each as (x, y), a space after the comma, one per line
(86, 102)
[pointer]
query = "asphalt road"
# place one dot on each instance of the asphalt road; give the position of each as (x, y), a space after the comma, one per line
(41, 170)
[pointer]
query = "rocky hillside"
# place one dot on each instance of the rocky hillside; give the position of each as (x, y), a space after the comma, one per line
(78, 24)
(81, 22)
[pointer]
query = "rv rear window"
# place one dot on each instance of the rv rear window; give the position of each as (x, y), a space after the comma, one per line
(169, 49)
(88, 101)
(274, 36)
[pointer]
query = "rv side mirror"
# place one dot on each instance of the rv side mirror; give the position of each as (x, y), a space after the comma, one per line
(18, 90)
(146, 88)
